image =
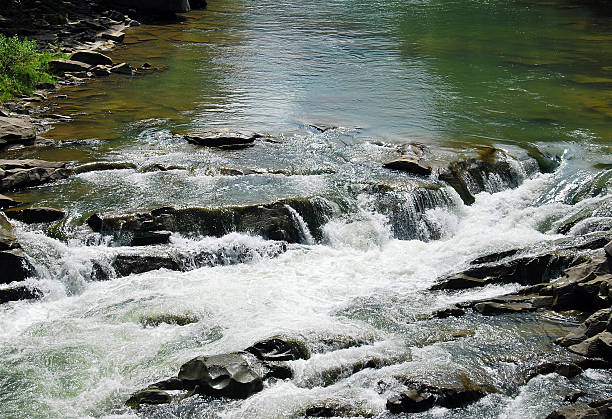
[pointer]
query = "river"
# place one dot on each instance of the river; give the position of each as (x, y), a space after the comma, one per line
(455, 76)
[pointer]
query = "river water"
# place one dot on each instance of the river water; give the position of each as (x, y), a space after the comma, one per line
(455, 76)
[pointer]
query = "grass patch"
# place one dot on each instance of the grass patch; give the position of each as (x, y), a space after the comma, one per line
(22, 67)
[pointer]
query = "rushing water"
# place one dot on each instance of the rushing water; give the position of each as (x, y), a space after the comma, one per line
(455, 76)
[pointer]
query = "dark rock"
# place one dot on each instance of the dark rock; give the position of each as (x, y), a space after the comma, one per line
(409, 165)
(279, 370)
(16, 131)
(276, 349)
(35, 215)
(222, 139)
(410, 402)
(459, 282)
(493, 308)
(169, 384)
(6, 202)
(448, 312)
(494, 257)
(122, 68)
(608, 249)
(102, 165)
(231, 375)
(322, 127)
(598, 409)
(125, 265)
(457, 397)
(197, 4)
(91, 58)
(147, 238)
(148, 397)
(101, 71)
(18, 292)
(156, 320)
(156, 6)
(15, 266)
(8, 240)
(566, 369)
(573, 397)
(24, 173)
(546, 163)
(61, 66)
(113, 36)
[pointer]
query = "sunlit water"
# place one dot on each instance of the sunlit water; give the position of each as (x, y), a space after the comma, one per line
(455, 76)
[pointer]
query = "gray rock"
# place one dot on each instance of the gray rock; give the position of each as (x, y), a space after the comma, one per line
(148, 397)
(409, 165)
(279, 349)
(608, 249)
(16, 131)
(226, 140)
(598, 346)
(62, 65)
(97, 166)
(35, 214)
(156, 6)
(410, 402)
(493, 308)
(232, 375)
(147, 238)
(91, 58)
(598, 409)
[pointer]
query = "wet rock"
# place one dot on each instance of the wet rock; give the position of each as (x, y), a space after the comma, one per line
(157, 6)
(493, 308)
(125, 265)
(277, 349)
(321, 127)
(91, 58)
(113, 36)
(169, 384)
(547, 163)
(8, 240)
(448, 312)
(16, 131)
(62, 65)
(409, 165)
(177, 319)
(494, 257)
(608, 249)
(276, 221)
(565, 369)
(573, 397)
(226, 140)
(410, 402)
(232, 375)
(122, 68)
(15, 266)
(101, 71)
(6, 202)
(20, 174)
(101, 165)
(147, 238)
(598, 409)
(148, 397)
(18, 292)
(35, 214)
(459, 282)
(331, 409)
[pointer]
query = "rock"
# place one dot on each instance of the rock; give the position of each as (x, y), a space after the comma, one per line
(275, 221)
(15, 266)
(122, 68)
(459, 282)
(6, 202)
(598, 409)
(148, 397)
(101, 71)
(598, 346)
(156, 320)
(16, 131)
(169, 384)
(409, 165)
(410, 402)
(156, 6)
(91, 58)
(225, 140)
(18, 292)
(102, 165)
(62, 65)
(323, 127)
(230, 375)
(20, 174)
(276, 349)
(113, 36)
(147, 238)
(125, 265)
(8, 240)
(448, 312)
(565, 369)
(492, 308)
(197, 4)
(608, 249)
(35, 215)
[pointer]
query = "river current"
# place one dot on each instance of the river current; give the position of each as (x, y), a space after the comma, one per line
(455, 76)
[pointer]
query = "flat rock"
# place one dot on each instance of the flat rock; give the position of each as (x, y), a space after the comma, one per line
(62, 65)
(222, 139)
(409, 165)
(6, 202)
(147, 238)
(16, 131)
(228, 375)
(91, 58)
(148, 397)
(113, 36)
(102, 165)
(598, 409)
(35, 214)
(492, 308)
(598, 346)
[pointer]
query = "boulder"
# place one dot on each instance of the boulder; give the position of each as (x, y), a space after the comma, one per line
(448, 312)
(101, 71)
(8, 240)
(410, 401)
(91, 58)
(16, 131)
(62, 65)
(565, 369)
(147, 238)
(18, 292)
(598, 409)
(409, 165)
(224, 140)
(148, 397)
(125, 265)
(232, 375)
(598, 346)
(277, 349)
(15, 266)
(35, 214)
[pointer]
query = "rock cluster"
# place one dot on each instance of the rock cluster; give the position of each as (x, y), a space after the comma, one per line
(19, 174)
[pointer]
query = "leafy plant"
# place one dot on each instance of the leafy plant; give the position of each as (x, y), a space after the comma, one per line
(22, 66)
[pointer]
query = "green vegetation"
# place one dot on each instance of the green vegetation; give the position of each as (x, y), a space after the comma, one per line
(22, 66)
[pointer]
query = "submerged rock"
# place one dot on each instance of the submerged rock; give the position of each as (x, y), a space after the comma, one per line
(232, 375)
(35, 214)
